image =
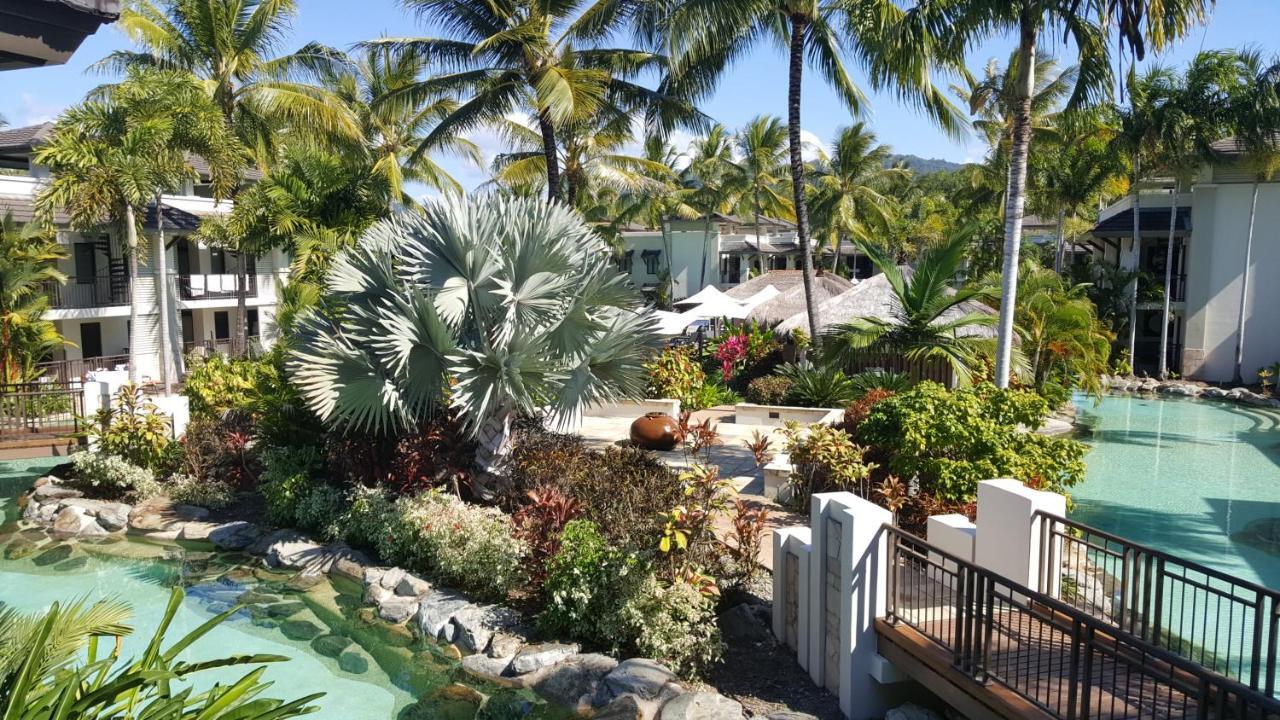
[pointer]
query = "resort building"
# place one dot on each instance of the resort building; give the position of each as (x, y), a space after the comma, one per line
(721, 253)
(1210, 230)
(92, 310)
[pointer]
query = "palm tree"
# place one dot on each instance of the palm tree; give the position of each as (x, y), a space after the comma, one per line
(231, 46)
(657, 207)
(28, 264)
(1060, 331)
(537, 57)
(111, 156)
(707, 35)
(1086, 26)
(1255, 122)
(715, 182)
(846, 186)
(761, 149)
(928, 318)
(506, 306)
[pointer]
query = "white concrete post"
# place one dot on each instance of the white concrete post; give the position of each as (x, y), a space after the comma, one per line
(791, 548)
(178, 408)
(953, 534)
(95, 396)
(1008, 540)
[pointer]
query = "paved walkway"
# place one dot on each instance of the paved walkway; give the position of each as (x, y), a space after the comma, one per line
(731, 455)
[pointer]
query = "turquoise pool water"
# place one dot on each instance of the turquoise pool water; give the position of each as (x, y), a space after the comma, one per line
(375, 671)
(1198, 479)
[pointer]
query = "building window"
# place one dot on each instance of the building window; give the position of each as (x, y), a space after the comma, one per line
(651, 258)
(626, 261)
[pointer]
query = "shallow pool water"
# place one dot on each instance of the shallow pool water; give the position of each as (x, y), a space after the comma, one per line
(1198, 479)
(366, 668)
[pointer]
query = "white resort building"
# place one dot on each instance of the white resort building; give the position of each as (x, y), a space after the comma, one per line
(1210, 230)
(92, 309)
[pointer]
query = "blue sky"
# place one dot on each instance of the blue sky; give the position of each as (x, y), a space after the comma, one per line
(757, 84)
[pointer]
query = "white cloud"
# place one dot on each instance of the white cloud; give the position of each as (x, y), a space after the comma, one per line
(33, 111)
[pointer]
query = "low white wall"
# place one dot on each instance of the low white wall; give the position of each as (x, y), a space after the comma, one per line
(634, 408)
(779, 415)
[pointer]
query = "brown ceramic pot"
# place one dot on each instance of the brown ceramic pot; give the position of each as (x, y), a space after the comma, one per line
(655, 431)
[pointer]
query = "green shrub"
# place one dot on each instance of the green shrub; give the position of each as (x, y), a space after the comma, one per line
(824, 459)
(190, 490)
(822, 386)
(768, 390)
(368, 512)
(674, 624)
(953, 439)
(111, 476)
(588, 583)
(712, 394)
(134, 428)
(320, 507)
(286, 477)
(254, 388)
(675, 374)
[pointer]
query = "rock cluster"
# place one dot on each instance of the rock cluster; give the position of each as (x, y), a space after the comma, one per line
(1184, 388)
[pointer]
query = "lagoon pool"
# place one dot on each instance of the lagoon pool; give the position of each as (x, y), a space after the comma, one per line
(1197, 479)
(367, 669)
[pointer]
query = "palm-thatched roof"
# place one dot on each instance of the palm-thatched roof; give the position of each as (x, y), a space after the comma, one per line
(874, 298)
(792, 300)
(783, 280)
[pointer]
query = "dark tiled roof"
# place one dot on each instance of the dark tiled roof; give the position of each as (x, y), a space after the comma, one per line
(1151, 220)
(24, 138)
(23, 210)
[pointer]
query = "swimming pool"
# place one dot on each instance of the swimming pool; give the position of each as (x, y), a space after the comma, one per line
(367, 669)
(1197, 479)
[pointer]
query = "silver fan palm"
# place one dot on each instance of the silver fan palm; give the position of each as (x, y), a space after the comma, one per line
(497, 306)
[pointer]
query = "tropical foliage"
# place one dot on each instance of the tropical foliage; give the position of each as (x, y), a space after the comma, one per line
(28, 268)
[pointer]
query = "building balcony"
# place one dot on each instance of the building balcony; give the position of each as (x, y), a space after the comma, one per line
(92, 291)
(213, 286)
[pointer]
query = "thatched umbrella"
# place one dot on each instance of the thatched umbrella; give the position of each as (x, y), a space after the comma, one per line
(874, 298)
(783, 280)
(792, 301)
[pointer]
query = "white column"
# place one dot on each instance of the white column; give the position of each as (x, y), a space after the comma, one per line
(791, 549)
(96, 396)
(1008, 540)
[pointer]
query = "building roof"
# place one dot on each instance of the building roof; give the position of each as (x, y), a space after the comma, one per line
(1152, 220)
(46, 32)
(22, 208)
(783, 280)
(792, 300)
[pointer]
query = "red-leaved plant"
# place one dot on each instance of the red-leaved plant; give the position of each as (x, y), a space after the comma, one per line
(540, 523)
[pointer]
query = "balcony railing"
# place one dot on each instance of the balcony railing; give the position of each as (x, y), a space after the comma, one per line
(73, 371)
(221, 346)
(88, 292)
(213, 286)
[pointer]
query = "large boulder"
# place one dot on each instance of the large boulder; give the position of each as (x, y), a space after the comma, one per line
(111, 515)
(491, 670)
(532, 658)
(236, 535)
(637, 676)
(397, 609)
(160, 514)
(475, 625)
(573, 682)
(701, 706)
(75, 522)
(50, 490)
(435, 610)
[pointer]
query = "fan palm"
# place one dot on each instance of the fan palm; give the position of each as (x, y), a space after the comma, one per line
(515, 301)
(707, 35)
(111, 156)
(928, 318)
(229, 45)
(1255, 122)
(846, 189)
(28, 263)
(1138, 22)
(530, 56)
(761, 150)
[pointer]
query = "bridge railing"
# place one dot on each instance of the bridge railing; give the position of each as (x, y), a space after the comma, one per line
(46, 407)
(1205, 615)
(1064, 660)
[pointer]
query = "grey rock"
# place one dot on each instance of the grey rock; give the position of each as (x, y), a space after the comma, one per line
(627, 707)
(375, 594)
(353, 662)
(289, 549)
(483, 667)
(412, 586)
(396, 609)
(196, 530)
(42, 513)
(531, 658)
(638, 676)
(52, 491)
(475, 625)
(574, 681)
(348, 567)
(391, 577)
(701, 706)
(330, 645)
(162, 514)
(234, 535)
(746, 622)
(911, 711)
(505, 645)
(435, 610)
(1216, 393)
(75, 522)
(111, 515)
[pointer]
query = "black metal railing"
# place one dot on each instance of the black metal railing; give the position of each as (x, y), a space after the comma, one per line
(92, 291)
(40, 407)
(73, 371)
(223, 346)
(1205, 615)
(1065, 661)
(213, 286)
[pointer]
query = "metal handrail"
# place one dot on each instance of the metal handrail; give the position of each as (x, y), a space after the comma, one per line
(1065, 661)
(1177, 604)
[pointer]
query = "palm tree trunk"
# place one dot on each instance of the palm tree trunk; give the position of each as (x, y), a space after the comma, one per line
(131, 239)
(549, 152)
(492, 453)
(1062, 243)
(1015, 198)
(666, 251)
(162, 295)
(835, 255)
(706, 239)
(799, 27)
(1136, 247)
(1168, 288)
(1244, 289)
(242, 312)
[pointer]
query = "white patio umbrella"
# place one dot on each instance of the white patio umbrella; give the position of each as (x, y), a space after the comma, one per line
(706, 294)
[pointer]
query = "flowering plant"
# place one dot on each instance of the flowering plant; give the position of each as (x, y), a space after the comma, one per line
(730, 353)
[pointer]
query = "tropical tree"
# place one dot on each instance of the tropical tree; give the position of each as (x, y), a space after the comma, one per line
(51, 666)
(715, 182)
(28, 263)
(928, 319)
(1062, 337)
(540, 58)
(111, 156)
(505, 306)
(761, 159)
(657, 208)
(231, 46)
(1254, 119)
(1084, 24)
(847, 189)
(707, 35)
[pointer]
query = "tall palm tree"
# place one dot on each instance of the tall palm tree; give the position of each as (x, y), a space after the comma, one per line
(231, 46)
(111, 156)
(503, 305)
(657, 207)
(1138, 22)
(1255, 122)
(715, 182)
(928, 318)
(761, 151)
(847, 188)
(1060, 331)
(28, 264)
(543, 58)
(707, 35)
